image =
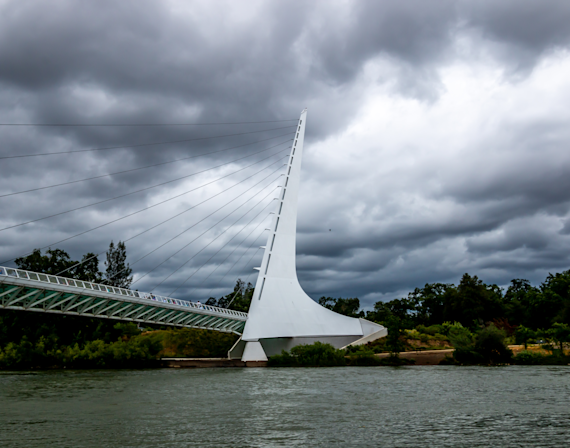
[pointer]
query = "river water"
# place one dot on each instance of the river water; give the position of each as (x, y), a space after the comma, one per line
(516, 406)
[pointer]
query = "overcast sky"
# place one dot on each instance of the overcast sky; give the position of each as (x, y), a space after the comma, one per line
(437, 138)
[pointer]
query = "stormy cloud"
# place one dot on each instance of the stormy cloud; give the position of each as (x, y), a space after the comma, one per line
(437, 138)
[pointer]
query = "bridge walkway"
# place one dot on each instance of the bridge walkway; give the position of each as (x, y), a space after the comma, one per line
(33, 291)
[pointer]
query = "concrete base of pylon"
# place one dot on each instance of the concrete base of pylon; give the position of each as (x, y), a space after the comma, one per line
(253, 351)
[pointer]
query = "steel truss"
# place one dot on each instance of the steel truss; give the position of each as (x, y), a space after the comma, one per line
(31, 291)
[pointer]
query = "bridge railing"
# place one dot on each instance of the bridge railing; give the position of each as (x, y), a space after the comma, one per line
(54, 279)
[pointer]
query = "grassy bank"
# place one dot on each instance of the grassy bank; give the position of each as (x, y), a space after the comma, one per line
(40, 341)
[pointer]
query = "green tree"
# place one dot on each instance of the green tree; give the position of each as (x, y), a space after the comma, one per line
(553, 302)
(317, 354)
(489, 348)
(517, 301)
(239, 299)
(118, 272)
(523, 335)
(471, 301)
(459, 336)
(560, 333)
(55, 261)
(402, 309)
(395, 329)
(490, 344)
(88, 270)
(348, 307)
(428, 303)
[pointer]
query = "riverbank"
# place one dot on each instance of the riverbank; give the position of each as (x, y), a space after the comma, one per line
(189, 363)
(422, 357)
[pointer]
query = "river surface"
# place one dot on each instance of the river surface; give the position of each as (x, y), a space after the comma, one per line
(516, 406)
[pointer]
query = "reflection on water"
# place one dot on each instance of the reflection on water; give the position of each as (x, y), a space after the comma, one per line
(367, 406)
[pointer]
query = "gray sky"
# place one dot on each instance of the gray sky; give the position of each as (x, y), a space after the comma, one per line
(437, 137)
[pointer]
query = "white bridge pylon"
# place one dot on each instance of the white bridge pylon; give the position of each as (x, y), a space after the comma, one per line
(281, 314)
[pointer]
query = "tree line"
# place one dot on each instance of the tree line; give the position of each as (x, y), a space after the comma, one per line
(38, 340)
(58, 262)
(472, 303)
(474, 316)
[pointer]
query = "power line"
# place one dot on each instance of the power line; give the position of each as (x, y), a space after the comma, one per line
(67, 125)
(134, 192)
(144, 167)
(157, 204)
(140, 145)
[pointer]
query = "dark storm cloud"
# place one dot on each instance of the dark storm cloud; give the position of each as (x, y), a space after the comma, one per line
(188, 62)
(525, 29)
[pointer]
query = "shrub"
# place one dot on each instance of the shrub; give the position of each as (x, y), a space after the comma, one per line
(534, 358)
(363, 360)
(448, 361)
(310, 355)
(490, 345)
(528, 358)
(424, 338)
(432, 329)
(460, 337)
(488, 348)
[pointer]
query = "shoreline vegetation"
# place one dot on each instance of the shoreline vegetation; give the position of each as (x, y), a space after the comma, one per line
(482, 323)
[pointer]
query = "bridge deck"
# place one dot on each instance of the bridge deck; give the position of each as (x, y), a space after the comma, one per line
(32, 291)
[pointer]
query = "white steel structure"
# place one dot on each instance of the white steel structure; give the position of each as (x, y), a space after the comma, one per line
(282, 315)
(44, 293)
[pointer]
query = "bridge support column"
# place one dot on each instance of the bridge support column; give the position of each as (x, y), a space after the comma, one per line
(282, 315)
(253, 351)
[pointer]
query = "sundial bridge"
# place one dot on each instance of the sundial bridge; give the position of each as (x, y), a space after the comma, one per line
(281, 314)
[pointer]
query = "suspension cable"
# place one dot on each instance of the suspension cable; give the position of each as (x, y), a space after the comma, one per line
(242, 255)
(186, 245)
(68, 125)
(147, 166)
(203, 219)
(229, 255)
(247, 278)
(160, 203)
(181, 213)
(201, 250)
(140, 145)
(190, 276)
(220, 249)
(136, 191)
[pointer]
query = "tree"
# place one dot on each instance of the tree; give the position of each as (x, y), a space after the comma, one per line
(403, 309)
(490, 344)
(242, 301)
(88, 270)
(489, 348)
(428, 303)
(348, 307)
(55, 261)
(553, 302)
(239, 299)
(560, 333)
(523, 335)
(517, 301)
(459, 336)
(118, 271)
(395, 331)
(471, 301)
